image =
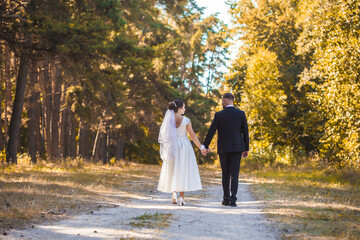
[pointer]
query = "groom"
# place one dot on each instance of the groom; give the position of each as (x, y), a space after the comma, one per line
(233, 143)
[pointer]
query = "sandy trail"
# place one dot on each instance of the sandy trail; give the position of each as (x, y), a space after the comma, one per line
(202, 218)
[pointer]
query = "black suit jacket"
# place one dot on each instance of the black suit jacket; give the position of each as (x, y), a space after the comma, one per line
(233, 133)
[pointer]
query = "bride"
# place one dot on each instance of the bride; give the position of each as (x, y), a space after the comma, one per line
(179, 172)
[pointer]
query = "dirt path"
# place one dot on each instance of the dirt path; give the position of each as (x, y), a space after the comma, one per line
(202, 218)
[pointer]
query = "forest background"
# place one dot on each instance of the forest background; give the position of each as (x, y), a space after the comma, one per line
(92, 79)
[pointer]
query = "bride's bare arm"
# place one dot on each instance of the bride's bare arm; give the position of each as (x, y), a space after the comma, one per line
(193, 135)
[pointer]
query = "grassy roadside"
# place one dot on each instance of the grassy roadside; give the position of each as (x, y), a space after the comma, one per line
(31, 194)
(44, 192)
(308, 202)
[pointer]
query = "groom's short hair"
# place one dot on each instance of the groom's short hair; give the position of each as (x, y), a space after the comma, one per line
(229, 96)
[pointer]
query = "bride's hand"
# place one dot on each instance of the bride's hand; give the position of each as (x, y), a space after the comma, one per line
(204, 152)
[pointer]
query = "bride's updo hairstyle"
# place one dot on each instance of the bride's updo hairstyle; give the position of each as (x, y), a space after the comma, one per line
(176, 104)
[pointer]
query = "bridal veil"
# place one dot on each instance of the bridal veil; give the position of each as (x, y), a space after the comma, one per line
(167, 137)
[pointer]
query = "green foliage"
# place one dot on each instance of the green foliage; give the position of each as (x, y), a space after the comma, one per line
(264, 100)
(330, 41)
(308, 99)
(265, 74)
(123, 61)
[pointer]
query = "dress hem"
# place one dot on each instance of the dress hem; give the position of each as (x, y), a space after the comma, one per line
(180, 190)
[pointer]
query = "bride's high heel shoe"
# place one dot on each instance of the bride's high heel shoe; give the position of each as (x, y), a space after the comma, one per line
(181, 201)
(174, 198)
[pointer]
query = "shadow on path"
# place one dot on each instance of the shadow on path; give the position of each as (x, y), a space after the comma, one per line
(203, 217)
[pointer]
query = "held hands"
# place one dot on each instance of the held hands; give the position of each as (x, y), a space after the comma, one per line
(205, 151)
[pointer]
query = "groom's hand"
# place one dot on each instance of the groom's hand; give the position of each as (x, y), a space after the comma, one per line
(245, 154)
(204, 151)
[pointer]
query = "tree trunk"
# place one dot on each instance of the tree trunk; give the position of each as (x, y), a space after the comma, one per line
(32, 104)
(7, 89)
(35, 139)
(106, 158)
(95, 144)
(102, 148)
(99, 147)
(68, 137)
(39, 139)
(72, 136)
(1, 100)
(14, 128)
(64, 133)
(84, 143)
(119, 149)
(55, 115)
(1, 132)
(63, 123)
(42, 119)
(96, 141)
(48, 106)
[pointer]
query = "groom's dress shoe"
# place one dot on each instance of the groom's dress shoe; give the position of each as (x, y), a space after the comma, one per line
(225, 203)
(233, 204)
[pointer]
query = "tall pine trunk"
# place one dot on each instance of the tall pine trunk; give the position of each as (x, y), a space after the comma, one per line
(48, 106)
(107, 145)
(68, 133)
(65, 130)
(55, 115)
(95, 142)
(119, 147)
(99, 147)
(32, 119)
(1, 100)
(36, 141)
(8, 87)
(63, 122)
(102, 148)
(72, 136)
(41, 110)
(39, 137)
(84, 143)
(14, 128)
(1, 132)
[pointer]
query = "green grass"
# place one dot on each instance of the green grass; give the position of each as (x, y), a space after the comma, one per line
(310, 202)
(153, 221)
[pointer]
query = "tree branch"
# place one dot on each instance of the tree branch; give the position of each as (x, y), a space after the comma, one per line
(13, 16)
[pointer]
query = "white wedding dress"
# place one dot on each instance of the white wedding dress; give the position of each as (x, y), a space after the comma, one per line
(182, 174)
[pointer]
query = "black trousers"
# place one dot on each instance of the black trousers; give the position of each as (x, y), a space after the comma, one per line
(230, 166)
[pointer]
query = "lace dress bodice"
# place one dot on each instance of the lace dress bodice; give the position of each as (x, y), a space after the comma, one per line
(181, 131)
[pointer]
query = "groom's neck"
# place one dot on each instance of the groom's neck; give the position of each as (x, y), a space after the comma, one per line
(230, 104)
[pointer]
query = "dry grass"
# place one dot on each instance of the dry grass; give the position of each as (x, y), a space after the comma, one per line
(49, 191)
(306, 202)
(309, 202)
(210, 174)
